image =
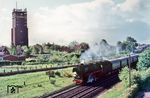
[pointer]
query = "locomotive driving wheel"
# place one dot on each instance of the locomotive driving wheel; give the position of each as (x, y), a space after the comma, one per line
(91, 79)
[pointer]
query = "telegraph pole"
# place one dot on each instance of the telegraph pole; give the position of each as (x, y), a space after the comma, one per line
(129, 70)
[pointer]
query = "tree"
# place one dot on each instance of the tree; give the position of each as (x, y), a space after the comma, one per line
(13, 50)
(129, 45)
(144, 60)
(73, 44)
(34, 50)
(43, 58)
(37, 49)
(130, 39)
(46, 48)
(103, 42)
(84, 46)
(74, 60)
(120, 46)
(26, 50)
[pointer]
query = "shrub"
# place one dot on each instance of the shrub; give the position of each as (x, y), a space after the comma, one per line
(58, 73)
(50, 73)
(39, 85)
(124, 76)
(74, 59)
(145, 75)
(132, 91)
(53, 81)
(144, 60)
(135, 77)
(139, 80)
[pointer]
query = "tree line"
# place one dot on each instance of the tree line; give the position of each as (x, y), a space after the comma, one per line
(46, 48)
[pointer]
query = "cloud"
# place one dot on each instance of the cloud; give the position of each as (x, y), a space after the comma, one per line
(69, 22)
(89, 22)
(131, 5)
(5, 26)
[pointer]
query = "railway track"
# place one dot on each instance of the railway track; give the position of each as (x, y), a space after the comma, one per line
(87, 91)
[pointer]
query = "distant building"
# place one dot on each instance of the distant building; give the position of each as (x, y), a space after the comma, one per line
(12, 58)
(4, 51)
(19, 31)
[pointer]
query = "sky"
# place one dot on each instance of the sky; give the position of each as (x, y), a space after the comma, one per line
(63, 21)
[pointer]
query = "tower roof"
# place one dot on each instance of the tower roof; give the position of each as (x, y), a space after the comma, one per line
(20, 10)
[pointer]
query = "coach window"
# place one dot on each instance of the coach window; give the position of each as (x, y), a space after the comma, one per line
(95, 67)
(86, 69)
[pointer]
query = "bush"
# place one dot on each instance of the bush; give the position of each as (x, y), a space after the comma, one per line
(74, 60)
(145, 75)
(39, 85)
(135, 77)
(53, 81)
(58, 73)
(132, 91)
(139, 80)
(124, 76)
(144, 60)
(50, 73)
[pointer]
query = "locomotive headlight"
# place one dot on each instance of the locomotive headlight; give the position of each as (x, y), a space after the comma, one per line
(74, 74)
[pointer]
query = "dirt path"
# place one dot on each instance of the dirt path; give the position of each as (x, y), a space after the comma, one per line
(144, 94)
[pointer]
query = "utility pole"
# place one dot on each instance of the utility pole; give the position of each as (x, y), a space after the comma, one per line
(129, 70)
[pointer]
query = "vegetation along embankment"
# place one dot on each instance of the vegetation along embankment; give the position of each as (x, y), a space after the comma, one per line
(140, 79)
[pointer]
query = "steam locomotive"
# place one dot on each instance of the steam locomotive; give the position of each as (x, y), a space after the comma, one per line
(88, 73)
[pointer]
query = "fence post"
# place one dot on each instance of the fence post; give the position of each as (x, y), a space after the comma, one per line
(7, 89)
(17, 89)
(17, 68)
(24, 83)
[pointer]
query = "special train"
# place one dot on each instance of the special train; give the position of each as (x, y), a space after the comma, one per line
(88, 73)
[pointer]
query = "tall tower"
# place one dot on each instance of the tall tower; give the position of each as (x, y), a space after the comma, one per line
(19, 31)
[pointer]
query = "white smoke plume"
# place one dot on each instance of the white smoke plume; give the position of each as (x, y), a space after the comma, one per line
(98, 51)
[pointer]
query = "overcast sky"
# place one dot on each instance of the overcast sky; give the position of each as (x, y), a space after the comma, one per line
(63, 21)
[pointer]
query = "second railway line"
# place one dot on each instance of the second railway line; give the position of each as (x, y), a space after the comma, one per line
(87, 91)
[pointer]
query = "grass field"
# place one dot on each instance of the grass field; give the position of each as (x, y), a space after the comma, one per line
(36, 84)
(116, 91)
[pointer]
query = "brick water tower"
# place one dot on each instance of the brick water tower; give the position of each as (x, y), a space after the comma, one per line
(19, 31)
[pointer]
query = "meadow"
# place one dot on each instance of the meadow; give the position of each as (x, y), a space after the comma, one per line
(34, 84)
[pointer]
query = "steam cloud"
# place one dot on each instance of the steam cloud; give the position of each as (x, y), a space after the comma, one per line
(97, 52)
